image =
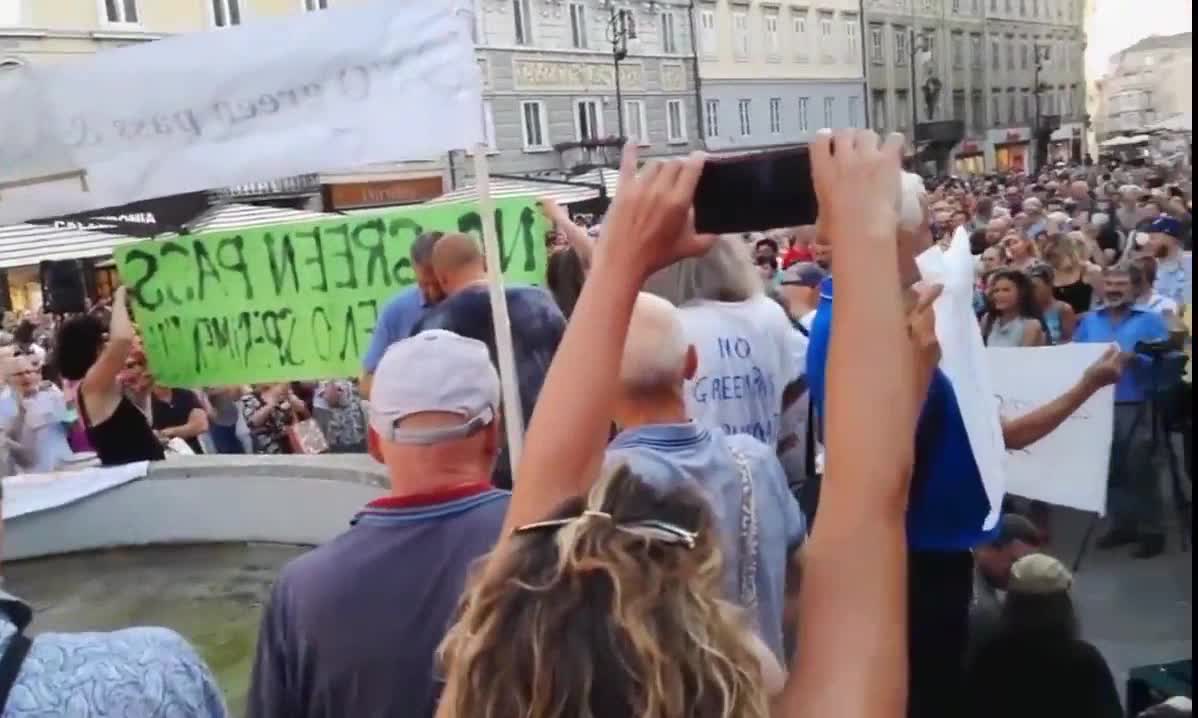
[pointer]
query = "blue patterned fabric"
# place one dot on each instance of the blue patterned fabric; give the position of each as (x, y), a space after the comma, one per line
(132, 673)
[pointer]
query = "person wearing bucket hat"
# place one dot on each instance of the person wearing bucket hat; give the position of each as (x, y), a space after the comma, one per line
(1037, 665)
(352, 626)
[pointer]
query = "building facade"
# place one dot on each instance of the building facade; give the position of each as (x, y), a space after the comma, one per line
(978, 62)
(1146, 83)
(773, 73)
(550, 78)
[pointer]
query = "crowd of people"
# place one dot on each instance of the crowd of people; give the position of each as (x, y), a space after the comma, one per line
(709, 515)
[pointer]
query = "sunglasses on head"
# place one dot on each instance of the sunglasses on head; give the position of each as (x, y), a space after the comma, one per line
(651, 529)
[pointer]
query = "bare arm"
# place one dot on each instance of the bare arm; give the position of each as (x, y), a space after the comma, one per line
(22, 453)
(1033, 335)
(648, 227)
(1023, 431)
(853, 601)
(577, 236)
(99, 385)
(197, 423)
(1068, 322)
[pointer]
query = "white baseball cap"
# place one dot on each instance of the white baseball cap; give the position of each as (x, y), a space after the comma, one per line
(435, 370)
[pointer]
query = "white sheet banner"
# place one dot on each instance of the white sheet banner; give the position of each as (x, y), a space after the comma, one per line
(1069, 466)
(963, 361)
(345, 87)
(30, 493)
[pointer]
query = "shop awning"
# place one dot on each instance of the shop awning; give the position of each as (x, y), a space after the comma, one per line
(1183, 122)
(562, 192)
(235, 216)
(28, 244)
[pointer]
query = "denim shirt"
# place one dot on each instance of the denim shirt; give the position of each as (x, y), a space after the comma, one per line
(45, 427)
(134, 672)
(669, 455)
(1173, 278)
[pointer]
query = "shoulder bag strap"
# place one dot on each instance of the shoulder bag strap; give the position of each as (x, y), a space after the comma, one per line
(748, 534)
(10, 664)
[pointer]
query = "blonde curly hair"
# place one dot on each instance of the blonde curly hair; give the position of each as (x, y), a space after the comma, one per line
(595, 615)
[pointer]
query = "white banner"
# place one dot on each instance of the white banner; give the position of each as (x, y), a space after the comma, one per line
(30, 493)
(963, 361)
(344, 87)
(1069, 466)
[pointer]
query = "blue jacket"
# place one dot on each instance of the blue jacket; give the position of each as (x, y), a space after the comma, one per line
(948, 503)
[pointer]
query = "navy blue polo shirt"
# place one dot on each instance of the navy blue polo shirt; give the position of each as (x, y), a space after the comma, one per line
(948, 503)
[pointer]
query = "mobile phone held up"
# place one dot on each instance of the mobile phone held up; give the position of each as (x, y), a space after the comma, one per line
(756, 192)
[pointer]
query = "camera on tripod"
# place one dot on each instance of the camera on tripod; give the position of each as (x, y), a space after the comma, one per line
(1157, 349)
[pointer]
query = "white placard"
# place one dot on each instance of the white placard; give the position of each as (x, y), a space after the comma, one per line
(30, 493)
(345, 87)
(1069, 466)
(963, 360)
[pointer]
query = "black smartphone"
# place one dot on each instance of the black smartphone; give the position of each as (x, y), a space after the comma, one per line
(751, 193)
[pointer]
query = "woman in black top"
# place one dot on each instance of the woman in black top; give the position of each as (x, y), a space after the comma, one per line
(1073, 277)
(117, 430)
(1036, 665)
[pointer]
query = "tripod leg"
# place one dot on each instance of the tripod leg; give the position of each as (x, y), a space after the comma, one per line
(1180, 501)
(1081, 551)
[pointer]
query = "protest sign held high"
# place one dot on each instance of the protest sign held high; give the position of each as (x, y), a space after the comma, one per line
(268, 99)
(294, 301)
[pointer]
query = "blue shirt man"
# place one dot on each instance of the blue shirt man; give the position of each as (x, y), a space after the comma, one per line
(35, 419)
(404, 311)
(948, 503)
(1174, 269)
(399, 316)
(667, 455)
(1125, 326)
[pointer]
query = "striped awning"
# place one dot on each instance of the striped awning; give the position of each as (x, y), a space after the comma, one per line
(240, 216)
(28, 244)
(563, 192)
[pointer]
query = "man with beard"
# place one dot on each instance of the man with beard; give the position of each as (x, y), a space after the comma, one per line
(1173, 267)
(1134, 499)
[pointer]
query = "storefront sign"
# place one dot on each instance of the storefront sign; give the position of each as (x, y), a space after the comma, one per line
(969, 148)
(557, 75)
(351, 195)
(147, 218)
(297, 301)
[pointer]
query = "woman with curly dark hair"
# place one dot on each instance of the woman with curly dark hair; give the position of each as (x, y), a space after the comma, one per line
(118, 431)
(1012, 319)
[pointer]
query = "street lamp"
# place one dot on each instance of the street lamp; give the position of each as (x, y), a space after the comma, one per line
(1040, 128)
(617, 35)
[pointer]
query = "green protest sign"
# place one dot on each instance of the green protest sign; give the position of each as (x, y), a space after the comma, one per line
(295, 301)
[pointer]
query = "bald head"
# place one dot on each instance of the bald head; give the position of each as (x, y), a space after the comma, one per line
(657, 356)
(456, 261)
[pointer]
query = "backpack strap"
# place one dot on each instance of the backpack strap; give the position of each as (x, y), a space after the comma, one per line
(10, 664)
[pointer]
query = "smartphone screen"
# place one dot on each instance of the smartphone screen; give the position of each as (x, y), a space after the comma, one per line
(756, 192)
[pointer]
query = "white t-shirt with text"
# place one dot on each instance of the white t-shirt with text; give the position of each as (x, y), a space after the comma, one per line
(748, 353)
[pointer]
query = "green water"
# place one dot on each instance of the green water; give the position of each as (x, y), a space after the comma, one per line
(212, 594)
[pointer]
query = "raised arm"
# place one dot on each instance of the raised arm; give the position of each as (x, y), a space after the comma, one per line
(1023, 431)
(101, 379)
(853, 601)
(649, 226)
(575, 235)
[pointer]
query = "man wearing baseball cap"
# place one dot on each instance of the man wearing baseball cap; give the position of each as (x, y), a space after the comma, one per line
(352, 626)
(1174, 268)
(800, 287)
